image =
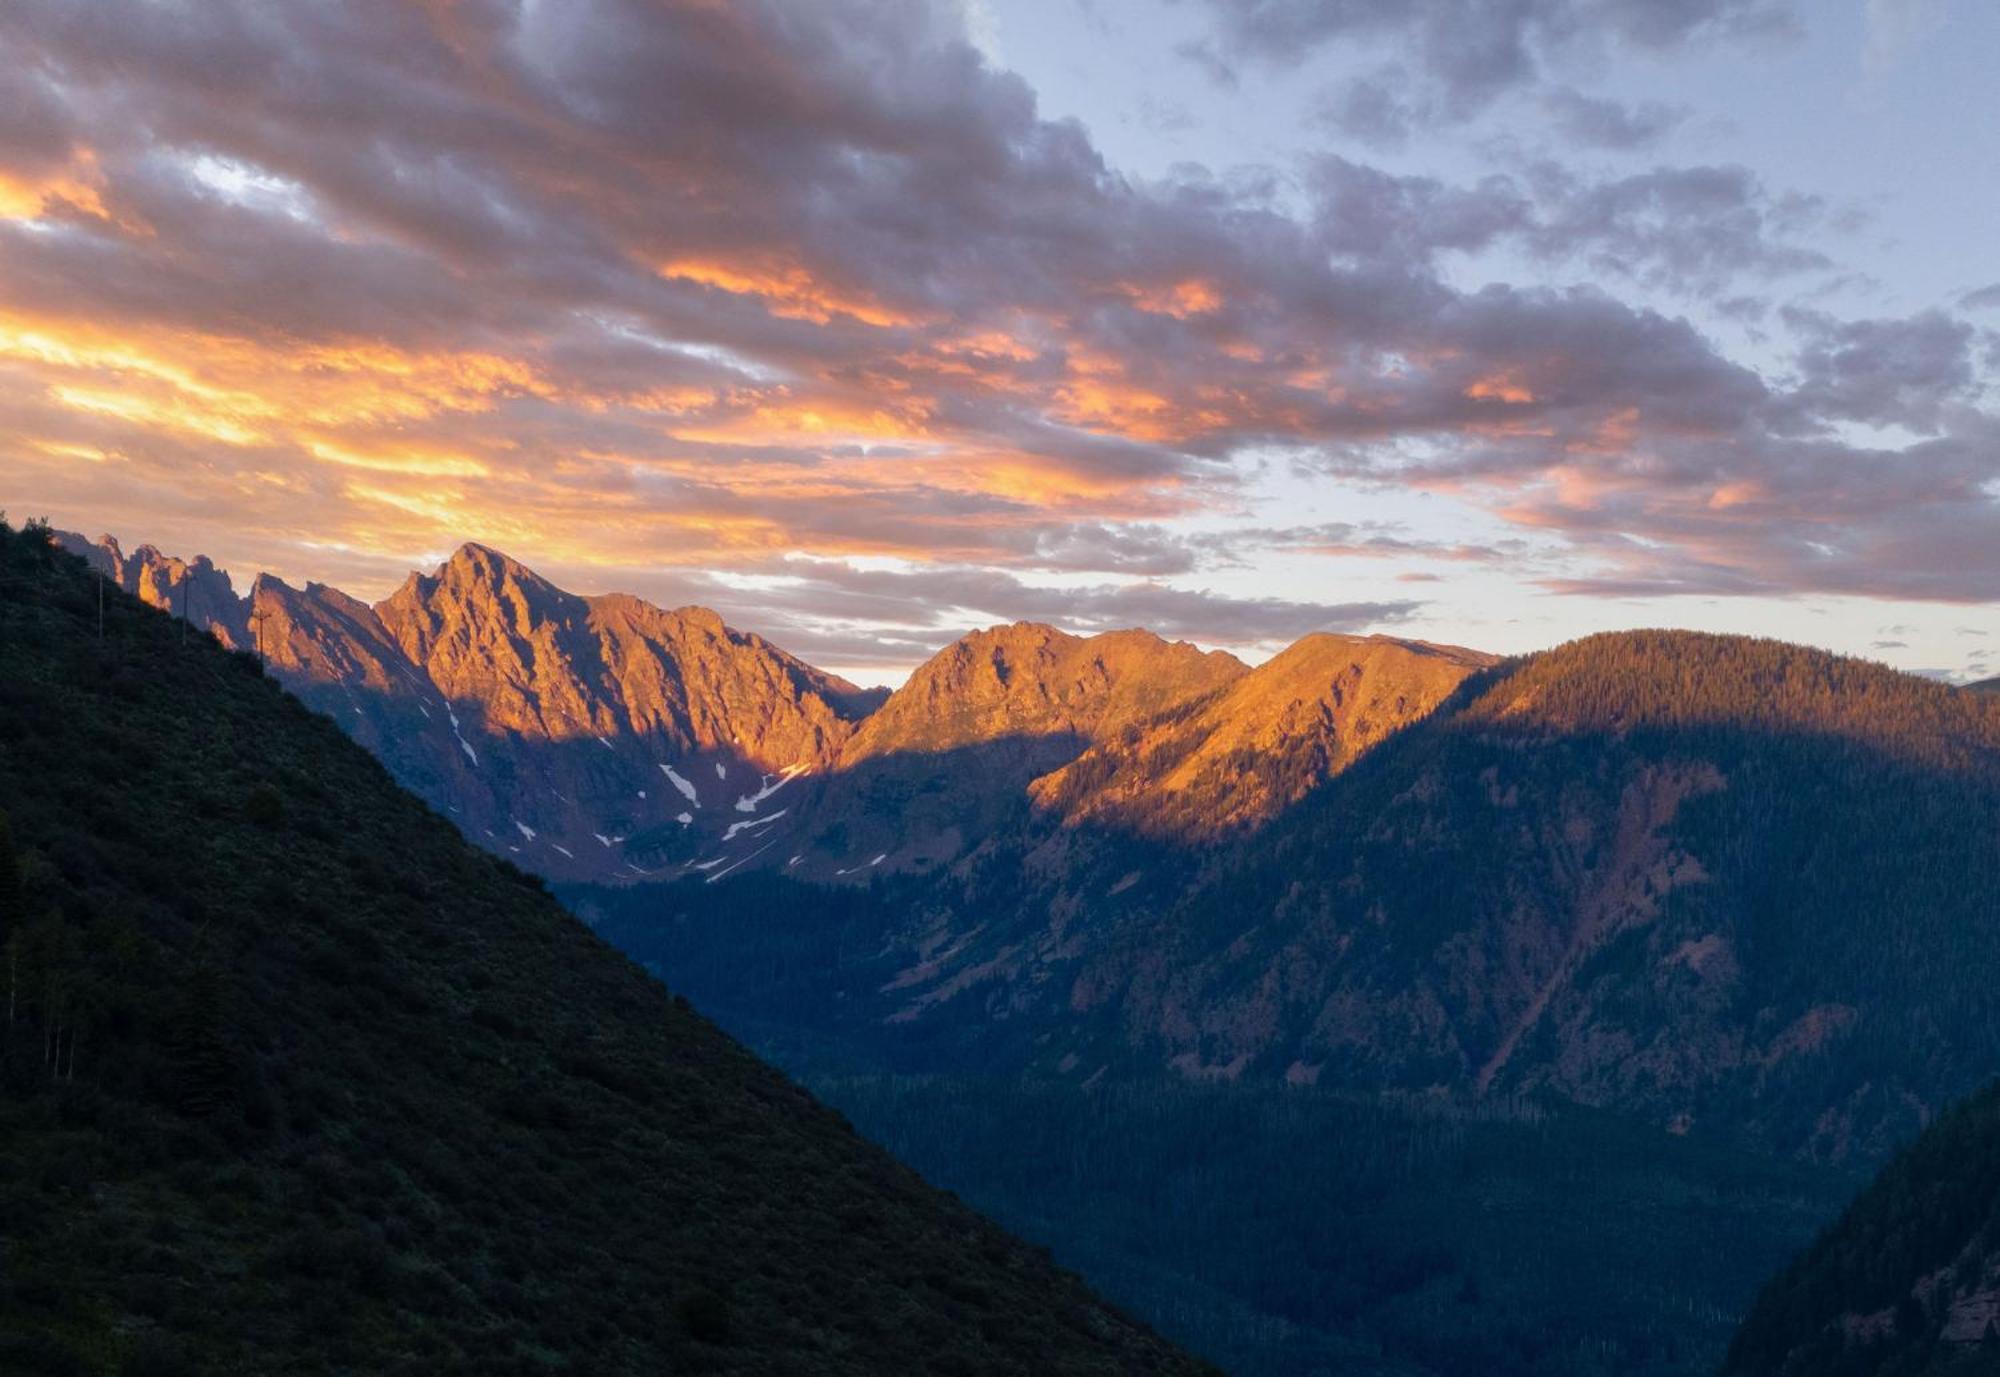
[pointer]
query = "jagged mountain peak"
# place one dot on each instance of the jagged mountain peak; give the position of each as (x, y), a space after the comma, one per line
(360, 989)
(1258, 743)
(1030, 680)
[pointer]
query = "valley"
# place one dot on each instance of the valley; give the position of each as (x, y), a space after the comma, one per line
(1700, 920)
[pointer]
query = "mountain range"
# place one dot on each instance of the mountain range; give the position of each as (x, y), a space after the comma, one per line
(298, 1081)
(603, 738)
(1713, 914)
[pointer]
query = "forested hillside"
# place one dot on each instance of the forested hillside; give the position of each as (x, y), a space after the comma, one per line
(1739, 896)
(1907, 1283)
(299, 1081)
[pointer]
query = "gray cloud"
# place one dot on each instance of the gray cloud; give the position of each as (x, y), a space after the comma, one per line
(1593, 122)
(697, 284)
(1462, 55)
(1907, 372)
(1694, 230)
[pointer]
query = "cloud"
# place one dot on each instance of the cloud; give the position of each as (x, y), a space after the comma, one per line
(1592, 122)
(1455, 58)
(1691, 230)
(1910, 372)
(686, 287)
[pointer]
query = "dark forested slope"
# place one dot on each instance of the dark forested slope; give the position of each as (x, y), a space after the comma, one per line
(297, 1080)
(1728, 885)
(1907, 1283)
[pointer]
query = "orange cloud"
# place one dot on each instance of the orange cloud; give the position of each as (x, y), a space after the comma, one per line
(1189, 297)
(1501, 387)
(786, 289)
(30, 197)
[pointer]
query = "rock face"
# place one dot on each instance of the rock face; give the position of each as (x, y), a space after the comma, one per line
(585, 737)
(1237, 757)
(945, 765)
(193, 589)
(1049, 692)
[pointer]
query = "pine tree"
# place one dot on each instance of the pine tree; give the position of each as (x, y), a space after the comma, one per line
(200, 1056)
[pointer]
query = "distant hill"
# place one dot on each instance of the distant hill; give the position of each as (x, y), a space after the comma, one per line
(1986, 686)
(297, 1081)
(1907, 1283)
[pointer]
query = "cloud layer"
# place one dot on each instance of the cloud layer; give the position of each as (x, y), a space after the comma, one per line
(717, 287)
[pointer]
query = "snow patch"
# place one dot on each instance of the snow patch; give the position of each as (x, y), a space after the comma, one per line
(720, 773)
(526, 830)
(470, 754)
(751, 857)
(707, 865)
(770, 785)
(685, 785)
(736, 827)
(607, 745)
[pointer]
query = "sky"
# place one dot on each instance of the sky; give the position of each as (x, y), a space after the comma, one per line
(1495, 322)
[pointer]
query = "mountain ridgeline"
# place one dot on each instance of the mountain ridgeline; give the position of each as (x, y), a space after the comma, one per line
(606, 739)
(296, 1080)
(1739, 895)
(1726, 885)
(1704, 920)
(586, 736)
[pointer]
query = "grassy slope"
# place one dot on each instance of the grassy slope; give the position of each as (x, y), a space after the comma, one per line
(349, 1095)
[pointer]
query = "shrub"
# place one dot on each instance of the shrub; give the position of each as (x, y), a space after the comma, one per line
(703, 1316)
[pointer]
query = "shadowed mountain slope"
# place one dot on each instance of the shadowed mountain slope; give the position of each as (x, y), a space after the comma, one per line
(1907, 1283)
(1719, 883)
(299, 1081)
(1737, 899)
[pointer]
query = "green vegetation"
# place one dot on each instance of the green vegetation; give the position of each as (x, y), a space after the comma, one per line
(297, 1081)
(1906, 1284)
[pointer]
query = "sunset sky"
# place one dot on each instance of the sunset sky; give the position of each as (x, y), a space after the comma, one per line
(1485, 321)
